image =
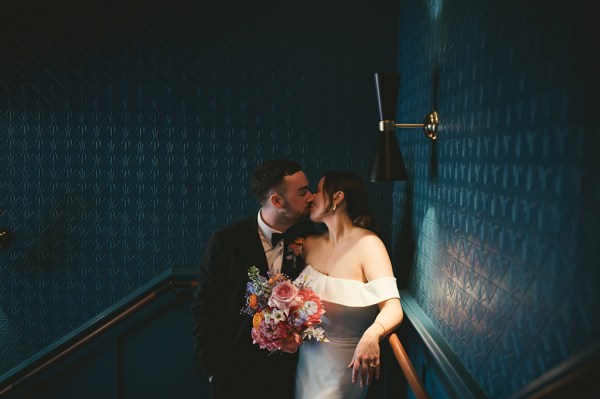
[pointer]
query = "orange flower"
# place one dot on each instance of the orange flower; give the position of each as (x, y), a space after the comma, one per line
(257, 319)
(276, 278)
(253, 301)
(295, 250)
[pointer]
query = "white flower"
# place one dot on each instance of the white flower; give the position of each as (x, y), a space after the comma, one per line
(278, 315)
(267, 316)
(317, 334)
(310, 307)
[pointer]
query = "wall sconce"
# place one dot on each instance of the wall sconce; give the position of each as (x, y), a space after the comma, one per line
(388, 164)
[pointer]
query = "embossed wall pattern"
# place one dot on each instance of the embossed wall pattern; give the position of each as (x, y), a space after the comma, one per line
(130, 132)
(504, 219)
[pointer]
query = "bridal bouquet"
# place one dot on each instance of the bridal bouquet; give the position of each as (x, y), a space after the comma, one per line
(284, 313)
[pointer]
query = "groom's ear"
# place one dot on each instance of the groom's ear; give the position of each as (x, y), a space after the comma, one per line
(276, 200)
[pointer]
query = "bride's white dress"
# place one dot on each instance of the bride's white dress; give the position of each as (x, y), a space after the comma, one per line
(350, 308)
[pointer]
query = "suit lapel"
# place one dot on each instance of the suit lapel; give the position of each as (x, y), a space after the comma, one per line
(253, 247)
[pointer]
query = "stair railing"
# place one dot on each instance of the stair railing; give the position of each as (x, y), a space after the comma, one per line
(98, 330)
(407, 367)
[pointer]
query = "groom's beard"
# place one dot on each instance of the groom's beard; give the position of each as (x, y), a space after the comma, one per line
(294, 215)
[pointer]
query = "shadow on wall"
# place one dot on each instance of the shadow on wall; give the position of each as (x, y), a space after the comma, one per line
(405, 247)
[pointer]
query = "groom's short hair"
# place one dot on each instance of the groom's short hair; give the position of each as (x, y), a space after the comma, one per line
(270, 176)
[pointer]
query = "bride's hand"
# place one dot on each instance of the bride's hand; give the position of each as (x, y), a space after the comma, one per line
(366, 359)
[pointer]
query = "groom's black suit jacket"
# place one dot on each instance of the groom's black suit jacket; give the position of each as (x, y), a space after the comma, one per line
(222, 342)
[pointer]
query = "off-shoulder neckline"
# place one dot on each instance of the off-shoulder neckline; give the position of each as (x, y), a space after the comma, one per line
(347, 279)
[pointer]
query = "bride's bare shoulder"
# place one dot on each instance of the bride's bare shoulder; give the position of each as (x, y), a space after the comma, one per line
(368, 240)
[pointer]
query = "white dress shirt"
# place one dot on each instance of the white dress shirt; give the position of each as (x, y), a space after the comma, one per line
(274, 253)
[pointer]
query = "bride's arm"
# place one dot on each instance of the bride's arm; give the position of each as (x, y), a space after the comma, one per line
(367, 355)
(375, 260)
(376, 264)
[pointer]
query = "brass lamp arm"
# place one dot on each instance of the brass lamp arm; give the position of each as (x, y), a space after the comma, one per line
(429, 125)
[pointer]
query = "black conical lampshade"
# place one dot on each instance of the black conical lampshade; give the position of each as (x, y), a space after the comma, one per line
(388, 164)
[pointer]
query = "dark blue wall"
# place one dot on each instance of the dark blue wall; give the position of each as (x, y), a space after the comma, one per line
(130, 131)
(499, 220)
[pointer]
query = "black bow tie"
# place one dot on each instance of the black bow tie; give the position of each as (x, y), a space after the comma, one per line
(276, 237)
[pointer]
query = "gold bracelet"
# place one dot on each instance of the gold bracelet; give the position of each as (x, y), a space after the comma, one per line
(382, 326)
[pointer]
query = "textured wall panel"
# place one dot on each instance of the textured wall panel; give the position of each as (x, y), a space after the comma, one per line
(130, 133)
(503, 209)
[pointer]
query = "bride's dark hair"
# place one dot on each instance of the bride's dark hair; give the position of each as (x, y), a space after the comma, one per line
(356, 197)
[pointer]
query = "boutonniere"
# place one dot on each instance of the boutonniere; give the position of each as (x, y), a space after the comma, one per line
(295, 250)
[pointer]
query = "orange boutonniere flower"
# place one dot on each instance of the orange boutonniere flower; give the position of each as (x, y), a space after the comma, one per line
(295, 251)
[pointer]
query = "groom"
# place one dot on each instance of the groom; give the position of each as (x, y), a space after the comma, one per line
(222, 343)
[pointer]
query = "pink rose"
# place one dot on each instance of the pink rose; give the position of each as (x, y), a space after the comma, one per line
(283, 296)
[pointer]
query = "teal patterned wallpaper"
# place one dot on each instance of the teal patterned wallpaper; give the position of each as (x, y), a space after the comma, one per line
(499, 220)
(130, 131)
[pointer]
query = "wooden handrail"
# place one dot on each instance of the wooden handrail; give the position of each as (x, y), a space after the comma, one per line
(407, 367)
(98, 330)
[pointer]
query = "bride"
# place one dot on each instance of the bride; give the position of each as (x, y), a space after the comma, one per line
(349, 268)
